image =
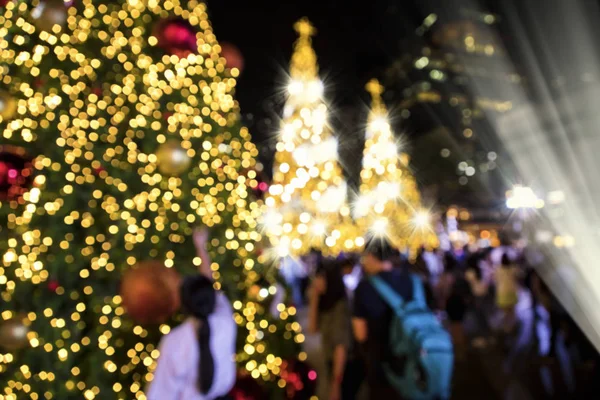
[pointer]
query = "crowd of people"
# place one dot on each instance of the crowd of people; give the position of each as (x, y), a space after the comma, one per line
(492, 302)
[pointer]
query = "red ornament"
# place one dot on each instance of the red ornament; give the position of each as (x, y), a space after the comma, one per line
(15, 172)
(150, 292)
(300, 379)
(38, 83)
(177, 37)
(3, 3)
(99, 170)
(53, 285)
(233, 55)
(247, 388)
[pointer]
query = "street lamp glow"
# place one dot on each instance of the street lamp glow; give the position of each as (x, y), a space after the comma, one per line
(523, 197)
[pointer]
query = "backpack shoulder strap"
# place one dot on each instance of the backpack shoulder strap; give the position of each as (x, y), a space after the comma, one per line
(393, 299)
(418, 292)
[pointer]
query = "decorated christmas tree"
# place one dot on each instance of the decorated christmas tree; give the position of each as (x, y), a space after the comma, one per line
(307, 205)
(120, 134)
(389, 203)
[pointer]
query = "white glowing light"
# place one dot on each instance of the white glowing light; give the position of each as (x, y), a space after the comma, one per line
(309, 155)
(288, 110)
(332, 199)
(388, 190)
(421, 219)
(523, 197)
(284, 167)
(320, 116)
(301, 155)
(318, 228)
(288, 132)
(305, 217)
(380, 226)
(315, 90)
(421, 62)
(379, 126)
(275, 190)
(361, 206)
(263, 293)
(543, 236)
(556, 197)
(295, 87)
(271, 219)
(283, 248)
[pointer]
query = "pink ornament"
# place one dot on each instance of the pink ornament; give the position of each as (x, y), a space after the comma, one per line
(233, 55)
(177, 37)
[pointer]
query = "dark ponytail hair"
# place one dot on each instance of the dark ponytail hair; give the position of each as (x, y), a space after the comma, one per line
(198, 299)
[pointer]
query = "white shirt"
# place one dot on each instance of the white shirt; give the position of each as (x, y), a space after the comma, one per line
(176, 376)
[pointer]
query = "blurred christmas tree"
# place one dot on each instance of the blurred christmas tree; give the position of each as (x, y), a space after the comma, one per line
(126, 111)
(307, 203)
(389, 203)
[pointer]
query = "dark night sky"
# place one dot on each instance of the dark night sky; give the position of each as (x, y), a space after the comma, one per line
(355, 41)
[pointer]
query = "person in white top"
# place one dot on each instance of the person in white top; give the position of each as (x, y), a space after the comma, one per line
(197, 359)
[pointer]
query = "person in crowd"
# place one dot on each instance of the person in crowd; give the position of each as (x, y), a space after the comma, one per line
(372, 316)
(310, 262)
(443, 289)
(507, 285)
(354, 374)
(487, 266)
(419, 266)
(352, 273)
(197, 358)
(294, 273)
(479, 289)
(329, 314)
(434, 265)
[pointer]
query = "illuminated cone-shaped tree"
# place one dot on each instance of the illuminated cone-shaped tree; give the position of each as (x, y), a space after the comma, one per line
(307, 205)
(389, 203)
(126, 109)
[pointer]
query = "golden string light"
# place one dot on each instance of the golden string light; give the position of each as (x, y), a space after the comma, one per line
(306, 206)
(98, 105)
(389, 204)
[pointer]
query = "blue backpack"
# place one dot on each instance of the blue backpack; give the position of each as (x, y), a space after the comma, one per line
(421, 355)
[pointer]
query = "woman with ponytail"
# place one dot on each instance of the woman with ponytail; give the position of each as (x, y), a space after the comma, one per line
(197, 358)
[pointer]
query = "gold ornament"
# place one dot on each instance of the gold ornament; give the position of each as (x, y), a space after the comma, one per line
(49, 13)
(13, 334)
(8, 106)
(172, 159)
